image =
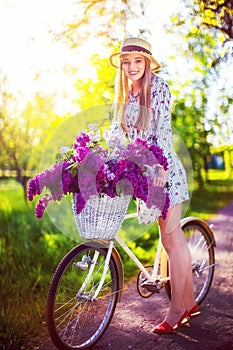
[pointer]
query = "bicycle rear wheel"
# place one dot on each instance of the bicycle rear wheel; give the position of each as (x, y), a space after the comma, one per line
(201, 244)
(74, 319)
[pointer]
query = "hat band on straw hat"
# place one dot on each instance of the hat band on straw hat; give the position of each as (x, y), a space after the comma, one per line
(130, 48)
(134, 45)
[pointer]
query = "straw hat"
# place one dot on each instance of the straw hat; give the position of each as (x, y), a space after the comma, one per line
(134, 45)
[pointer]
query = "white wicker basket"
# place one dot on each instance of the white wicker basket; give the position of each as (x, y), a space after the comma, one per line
(102, 217)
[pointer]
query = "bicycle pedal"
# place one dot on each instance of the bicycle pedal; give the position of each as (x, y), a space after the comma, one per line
(151, 287)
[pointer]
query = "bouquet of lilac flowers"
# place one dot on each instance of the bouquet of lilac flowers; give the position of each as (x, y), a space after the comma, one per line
(87, 169)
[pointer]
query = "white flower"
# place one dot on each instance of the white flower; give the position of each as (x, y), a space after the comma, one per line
(94, 134)
(64, 149)
(92, 126)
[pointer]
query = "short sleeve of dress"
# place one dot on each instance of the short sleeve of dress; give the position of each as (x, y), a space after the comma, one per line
(161, 116)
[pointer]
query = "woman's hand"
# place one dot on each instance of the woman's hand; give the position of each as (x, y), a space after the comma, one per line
(161, 179)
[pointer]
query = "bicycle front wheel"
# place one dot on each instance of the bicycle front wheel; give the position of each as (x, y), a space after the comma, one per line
(75, 320)
(200, 240)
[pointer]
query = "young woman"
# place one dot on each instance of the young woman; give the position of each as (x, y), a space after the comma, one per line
(146, 100)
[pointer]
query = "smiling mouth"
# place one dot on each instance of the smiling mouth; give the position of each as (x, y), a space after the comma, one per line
(133, 73)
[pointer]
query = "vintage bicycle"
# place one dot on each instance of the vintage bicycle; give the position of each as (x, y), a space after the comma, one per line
(89, 281)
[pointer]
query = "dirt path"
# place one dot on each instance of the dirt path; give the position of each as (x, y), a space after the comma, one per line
(135, 317)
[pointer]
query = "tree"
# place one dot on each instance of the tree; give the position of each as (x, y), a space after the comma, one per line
(24, 134)
(98, 91)
(213, 17)
(104, 21)
(193, 94)
(202, 39)
(188, 119)
(216, 14)
(100, 25)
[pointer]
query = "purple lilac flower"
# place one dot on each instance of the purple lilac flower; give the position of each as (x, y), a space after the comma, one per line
(102, 153)
(140, 153)
(44, 179)
(41, 205)
(89, 171)
(54, 181)
(159, 197)
(158, 153)
(101, 174)
(81, 140)
(80, 203)
(124, 186)
(131, 172)
(69, 181)
(67, 177)
(80, 153)
(92, 162)
(87, 184)
(166, 206)
(101, 180)
(33, 188)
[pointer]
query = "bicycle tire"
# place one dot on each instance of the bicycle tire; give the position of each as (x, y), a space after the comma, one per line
(201, 243)
(74, 321)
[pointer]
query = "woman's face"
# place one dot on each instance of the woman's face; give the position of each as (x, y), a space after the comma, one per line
(133, 66)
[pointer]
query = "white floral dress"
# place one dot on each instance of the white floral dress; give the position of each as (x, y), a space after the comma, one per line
(159, 132)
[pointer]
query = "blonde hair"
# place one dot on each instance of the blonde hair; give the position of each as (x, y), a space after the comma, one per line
(122, 89)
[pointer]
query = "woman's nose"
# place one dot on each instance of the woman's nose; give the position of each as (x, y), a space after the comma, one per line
(131, 65)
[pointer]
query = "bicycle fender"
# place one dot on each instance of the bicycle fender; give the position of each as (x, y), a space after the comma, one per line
(201, 222)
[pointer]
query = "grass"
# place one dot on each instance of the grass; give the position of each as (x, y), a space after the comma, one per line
(30, 250)
(216, 194)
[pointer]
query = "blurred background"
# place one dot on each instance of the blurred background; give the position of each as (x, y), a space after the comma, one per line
(54, 65)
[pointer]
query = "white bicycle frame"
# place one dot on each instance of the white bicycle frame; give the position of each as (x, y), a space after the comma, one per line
(150, 277)
(159, 275)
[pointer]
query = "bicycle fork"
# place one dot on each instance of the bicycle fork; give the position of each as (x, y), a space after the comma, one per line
(84, 264)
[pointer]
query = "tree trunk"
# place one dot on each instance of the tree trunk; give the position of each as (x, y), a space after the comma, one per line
(22, 179)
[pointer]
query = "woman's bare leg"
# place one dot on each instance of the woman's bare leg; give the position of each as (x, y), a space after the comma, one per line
(182, 297)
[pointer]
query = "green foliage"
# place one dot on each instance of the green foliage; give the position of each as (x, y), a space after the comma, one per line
(188, 119)
(23, 135)
(143, 247)
(199, 111)
(216, 14)
(98, 91)
(213, 19)
(213, 197)
(30, 250)
(105, 20)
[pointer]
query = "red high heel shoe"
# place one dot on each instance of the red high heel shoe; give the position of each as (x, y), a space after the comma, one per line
(184, 319)
(194, 312)
(163, 327)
